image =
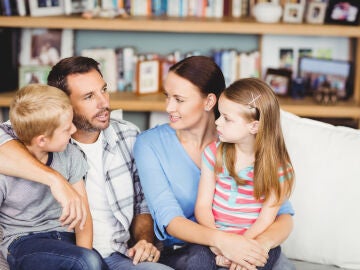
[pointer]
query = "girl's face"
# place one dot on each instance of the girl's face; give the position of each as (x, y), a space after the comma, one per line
(184, 102)
(232, 126)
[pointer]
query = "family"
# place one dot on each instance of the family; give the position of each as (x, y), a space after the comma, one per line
(81, 188)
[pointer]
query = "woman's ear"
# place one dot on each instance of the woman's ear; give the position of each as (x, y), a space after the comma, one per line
(254, 127)
(210, 101)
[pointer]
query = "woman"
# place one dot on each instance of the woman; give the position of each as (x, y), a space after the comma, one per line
(168, 159)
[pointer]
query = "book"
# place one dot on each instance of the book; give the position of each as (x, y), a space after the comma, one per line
(21, 7)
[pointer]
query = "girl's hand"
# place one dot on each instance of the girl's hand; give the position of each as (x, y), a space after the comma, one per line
(244, 252)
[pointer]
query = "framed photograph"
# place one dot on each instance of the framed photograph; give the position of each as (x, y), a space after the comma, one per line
(279, 80)
(148, 77)
(45, 46)
(33, 74)
(343, 12)
(337, 73)
(107, 64)
(293, 13)
(75, 6)
(315, 13)
(46, 7)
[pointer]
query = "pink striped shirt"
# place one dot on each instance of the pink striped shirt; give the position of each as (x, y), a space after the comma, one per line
(234, 207)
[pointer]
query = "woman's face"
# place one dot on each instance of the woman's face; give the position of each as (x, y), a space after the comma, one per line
(184, 103)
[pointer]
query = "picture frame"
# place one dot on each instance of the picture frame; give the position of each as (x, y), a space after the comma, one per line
(279, 80)
(46, 7)
(148, 77)
(315, 13)
(33, 74)
(338, 73)
(344, 12)
(293, 12)
(45, 46)
(107, 64)
(75, 6)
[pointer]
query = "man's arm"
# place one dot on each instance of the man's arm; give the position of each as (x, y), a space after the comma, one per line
(84, 237)
(16, 161)
(143, 235)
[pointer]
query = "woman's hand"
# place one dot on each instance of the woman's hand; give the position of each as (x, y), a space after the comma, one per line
(246, 253)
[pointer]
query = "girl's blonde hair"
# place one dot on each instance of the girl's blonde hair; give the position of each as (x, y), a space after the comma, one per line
(37, 109)
(270, 150)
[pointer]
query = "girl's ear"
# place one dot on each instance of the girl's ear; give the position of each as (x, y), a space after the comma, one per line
(254, 127)
(210, 101)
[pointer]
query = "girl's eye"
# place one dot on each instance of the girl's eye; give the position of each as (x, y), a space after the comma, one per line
(88, 97)
(179, 100)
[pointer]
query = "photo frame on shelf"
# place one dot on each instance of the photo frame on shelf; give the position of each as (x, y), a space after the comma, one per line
(75, 6)
(293, 13)
(45, 46)
(315, 13)
(33, 74)
(107, 64)
(148, 77)
(345, 12)
(338, 73)
(46, 7)
(279, 80)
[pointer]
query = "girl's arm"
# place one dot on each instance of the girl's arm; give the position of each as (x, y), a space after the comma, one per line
(266, 217)
(277, 233)
(84, 237)
(203, 207)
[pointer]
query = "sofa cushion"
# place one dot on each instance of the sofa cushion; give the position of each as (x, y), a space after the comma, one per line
(326, 193)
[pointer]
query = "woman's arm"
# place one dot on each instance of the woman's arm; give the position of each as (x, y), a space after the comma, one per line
(84, 236)
(203, 207)
(16, 161)
(245, 252)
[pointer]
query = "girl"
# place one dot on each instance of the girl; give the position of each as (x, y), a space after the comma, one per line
(248, 174)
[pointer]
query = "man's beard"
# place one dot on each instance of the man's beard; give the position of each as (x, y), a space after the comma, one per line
(81, 123)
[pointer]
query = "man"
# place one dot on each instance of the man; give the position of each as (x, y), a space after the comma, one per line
(115, 196)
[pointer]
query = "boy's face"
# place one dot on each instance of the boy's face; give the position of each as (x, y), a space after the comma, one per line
(61, 135)
(90, 100)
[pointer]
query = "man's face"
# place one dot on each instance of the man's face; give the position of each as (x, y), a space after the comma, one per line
(90, 100)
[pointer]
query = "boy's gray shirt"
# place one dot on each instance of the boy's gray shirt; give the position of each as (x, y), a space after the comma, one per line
(27, 206)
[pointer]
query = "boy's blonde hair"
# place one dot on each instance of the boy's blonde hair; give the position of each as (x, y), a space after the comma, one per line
(36, 110)
(270, 149)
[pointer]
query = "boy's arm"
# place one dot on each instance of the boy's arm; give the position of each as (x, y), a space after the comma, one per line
(266, 217)
(84, 237)
(16, 161)
(206, 190)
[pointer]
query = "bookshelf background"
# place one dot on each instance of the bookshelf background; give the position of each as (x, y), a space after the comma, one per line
(162, 35)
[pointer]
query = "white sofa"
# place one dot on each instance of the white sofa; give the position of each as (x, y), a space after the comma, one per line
(326, 196)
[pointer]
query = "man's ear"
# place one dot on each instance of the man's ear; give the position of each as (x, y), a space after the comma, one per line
(210, 101)
(254, 127)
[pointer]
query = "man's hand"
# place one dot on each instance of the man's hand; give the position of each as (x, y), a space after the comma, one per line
(74, 210)
(143, 251)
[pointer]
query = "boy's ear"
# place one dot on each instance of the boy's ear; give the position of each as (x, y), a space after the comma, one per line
(40, 140)
(254, 127)
(210, 101)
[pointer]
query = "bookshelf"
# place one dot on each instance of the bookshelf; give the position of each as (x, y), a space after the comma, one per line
(130, 102)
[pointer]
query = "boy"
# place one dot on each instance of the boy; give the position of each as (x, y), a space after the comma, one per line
(34, 238)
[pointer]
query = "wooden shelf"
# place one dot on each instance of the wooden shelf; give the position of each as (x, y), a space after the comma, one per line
(156, 102)
(187, 25)
(130, 102)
